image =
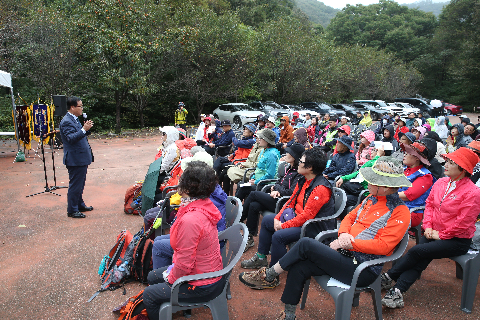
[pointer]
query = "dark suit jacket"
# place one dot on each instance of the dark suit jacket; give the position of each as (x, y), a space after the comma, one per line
(76, 150)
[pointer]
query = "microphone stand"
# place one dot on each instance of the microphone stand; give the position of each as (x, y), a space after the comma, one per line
(47, 188)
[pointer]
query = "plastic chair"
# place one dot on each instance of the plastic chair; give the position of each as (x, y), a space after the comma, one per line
(236, 239)
(233, 210)
(340, 202)
(468, 270)
(418, 229)
(346, 298)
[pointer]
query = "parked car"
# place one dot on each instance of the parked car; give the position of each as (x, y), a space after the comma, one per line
(322, 108)
(238, 113)
(350, 110)
(452, 109)
(402, 108)
(420, 103)
(301, 111)
(376, 113)
(271, 108)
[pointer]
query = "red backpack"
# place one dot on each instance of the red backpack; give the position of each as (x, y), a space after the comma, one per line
(128, 308)
(133, 199)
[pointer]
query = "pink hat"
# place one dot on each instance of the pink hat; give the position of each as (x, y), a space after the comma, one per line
(369, 135)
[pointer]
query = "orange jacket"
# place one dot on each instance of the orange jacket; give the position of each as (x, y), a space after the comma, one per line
(286, 132)
(386, 239)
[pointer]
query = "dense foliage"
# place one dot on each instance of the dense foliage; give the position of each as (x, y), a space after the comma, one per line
(132, 61)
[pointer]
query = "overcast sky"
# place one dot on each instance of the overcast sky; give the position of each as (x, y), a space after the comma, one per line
(339, 4)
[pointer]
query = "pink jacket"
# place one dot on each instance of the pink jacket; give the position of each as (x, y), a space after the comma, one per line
(455, 216)
(194, 239)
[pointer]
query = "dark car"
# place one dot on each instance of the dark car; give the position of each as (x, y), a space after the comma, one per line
(452, 109)
(420, 103)
(375, 112)
(350, 110)
(322, 108)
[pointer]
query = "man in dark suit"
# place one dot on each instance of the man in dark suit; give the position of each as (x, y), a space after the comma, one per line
(77, 155)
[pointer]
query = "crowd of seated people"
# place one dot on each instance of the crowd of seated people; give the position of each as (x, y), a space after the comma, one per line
(400, 167)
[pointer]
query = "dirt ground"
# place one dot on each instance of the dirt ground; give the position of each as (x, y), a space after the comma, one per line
(49, 262)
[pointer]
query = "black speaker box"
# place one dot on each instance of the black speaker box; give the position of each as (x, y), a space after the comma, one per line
(60, 103)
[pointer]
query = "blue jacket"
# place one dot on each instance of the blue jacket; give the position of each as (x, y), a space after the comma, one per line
(76, 150)
(219, 199)
(342, 164)
(267, 165)
(420, 201)
(277, 132)
(245, 142)
(225, 139)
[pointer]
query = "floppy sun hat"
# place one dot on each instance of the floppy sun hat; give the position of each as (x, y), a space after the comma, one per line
(418, 150)
(463, 157)
(386, 172)
(346, 141)
(268, 135)
(475, 146)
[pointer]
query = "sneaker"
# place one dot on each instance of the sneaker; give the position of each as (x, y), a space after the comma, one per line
(250, 243)
(385, 281)
(283, 316)
(256, 280)
(254, 263)
(393, 299)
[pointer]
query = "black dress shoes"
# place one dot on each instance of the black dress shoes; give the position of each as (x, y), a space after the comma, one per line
(76, 215)
(85, 209)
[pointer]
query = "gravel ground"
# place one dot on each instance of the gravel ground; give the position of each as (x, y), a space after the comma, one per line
(49, 262)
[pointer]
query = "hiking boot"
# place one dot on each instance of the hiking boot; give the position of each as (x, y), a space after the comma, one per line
(250, 243)
(385, 281)
(254, 263)
(283, 316)
(393, 299)
(256, 280)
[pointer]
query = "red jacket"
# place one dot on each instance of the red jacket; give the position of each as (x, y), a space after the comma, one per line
(194, 239)
(455, 215)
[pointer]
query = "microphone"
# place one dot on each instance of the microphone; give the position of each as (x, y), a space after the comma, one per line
(84, 116)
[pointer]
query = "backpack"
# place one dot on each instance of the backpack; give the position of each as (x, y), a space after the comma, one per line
(142, 262)
(127, 309)
(114, 268)
(133, 199)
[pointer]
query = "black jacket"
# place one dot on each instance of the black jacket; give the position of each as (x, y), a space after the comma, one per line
(287, 181)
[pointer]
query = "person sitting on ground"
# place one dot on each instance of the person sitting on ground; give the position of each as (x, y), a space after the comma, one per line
(242, 150)
(448, 222)
(162, 251)
(286, 133)
(267, 163)
(194, 239)
(440, 146)
(343, 162)
(457, 139)
(475, 147)
(370, 231)
(410, 120)
(225, 140)
(312, 198)
(419, 132)
(365, 149)
(270, 124)
(258, 201)
(421, 178)
(401, 128)
(313, 130)
(367, 120)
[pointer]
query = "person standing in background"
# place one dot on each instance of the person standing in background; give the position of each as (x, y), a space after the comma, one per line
(77, 155)
(181, 116)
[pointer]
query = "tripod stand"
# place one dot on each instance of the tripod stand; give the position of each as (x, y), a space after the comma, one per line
(54, 187)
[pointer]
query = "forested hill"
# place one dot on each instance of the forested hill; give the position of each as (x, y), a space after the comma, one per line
(428, 6)
(317, 11)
